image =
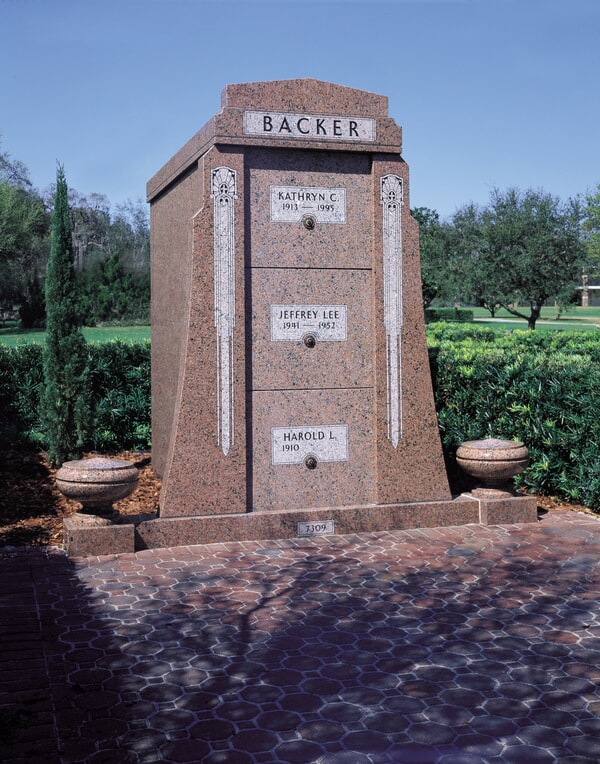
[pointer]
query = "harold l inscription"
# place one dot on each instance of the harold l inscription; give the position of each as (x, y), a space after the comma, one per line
(313, 126)
(289, 204)
(290, 323)
(291, 445)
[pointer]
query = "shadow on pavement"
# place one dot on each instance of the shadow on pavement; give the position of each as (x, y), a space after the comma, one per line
(470, 644)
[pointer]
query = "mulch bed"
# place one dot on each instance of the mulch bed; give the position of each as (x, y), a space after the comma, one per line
(32, 508)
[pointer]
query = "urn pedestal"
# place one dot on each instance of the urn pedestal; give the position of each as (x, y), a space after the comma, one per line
(96, 483)
(494, 463)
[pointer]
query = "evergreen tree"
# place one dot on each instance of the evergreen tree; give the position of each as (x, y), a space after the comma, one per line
(65, 408)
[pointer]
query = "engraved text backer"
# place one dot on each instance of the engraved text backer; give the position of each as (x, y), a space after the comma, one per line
(312, 126)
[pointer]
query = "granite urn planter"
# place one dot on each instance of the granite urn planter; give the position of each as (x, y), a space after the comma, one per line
(493, 463)
(96, 483)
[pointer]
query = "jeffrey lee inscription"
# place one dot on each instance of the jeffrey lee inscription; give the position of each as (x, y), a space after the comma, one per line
(290, 323)
(289, 204)
(291, 445)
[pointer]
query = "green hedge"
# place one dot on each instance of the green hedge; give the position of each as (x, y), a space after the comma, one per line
(460, 315)
(21, 380)
(119, 398)
(542, 388)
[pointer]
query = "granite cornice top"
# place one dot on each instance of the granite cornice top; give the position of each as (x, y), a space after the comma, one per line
(301, 95)
(298, 97)
(180, 162)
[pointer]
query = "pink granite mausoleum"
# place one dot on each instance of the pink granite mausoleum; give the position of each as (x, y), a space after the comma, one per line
(291, 392)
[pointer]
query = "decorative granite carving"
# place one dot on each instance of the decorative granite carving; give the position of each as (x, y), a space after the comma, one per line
(392, 199)
(224, 196)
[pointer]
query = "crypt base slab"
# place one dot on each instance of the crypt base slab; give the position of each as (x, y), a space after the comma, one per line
(254, 526)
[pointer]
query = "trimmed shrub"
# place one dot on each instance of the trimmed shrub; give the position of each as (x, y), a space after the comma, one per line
(120, 380)
(460, 315)
(21, 384)
(541, 389)
(119, 396)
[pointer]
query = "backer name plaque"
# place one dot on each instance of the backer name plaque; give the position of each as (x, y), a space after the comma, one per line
(328, 323)
(289, 204)
(276, 124)
(291, 445)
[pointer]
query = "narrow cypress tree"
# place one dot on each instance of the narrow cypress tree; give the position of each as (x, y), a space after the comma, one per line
(65, 408)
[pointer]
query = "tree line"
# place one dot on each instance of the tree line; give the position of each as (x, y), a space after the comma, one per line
(519, 252)
(111, 252)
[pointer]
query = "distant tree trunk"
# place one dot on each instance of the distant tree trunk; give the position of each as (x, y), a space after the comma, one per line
(65, 408)
(536, 309)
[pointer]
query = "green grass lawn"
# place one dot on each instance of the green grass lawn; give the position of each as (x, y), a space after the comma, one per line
(12, 337)
(576, 318)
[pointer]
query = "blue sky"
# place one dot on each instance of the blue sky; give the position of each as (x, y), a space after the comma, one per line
(489, 93)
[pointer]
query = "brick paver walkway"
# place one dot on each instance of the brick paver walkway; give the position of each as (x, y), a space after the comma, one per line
(452, 645)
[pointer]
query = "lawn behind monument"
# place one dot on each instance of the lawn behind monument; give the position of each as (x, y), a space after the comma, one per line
(551, 319)
(13, 336)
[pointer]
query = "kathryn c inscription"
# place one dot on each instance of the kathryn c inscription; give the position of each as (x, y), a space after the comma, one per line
(289, 204)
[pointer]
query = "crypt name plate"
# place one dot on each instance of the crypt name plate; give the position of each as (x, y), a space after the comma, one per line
(328, 323)
(291, 445)
(275, 124)
(289, 204)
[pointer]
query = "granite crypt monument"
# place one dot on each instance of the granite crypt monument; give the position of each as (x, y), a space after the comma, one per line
(291, 392)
